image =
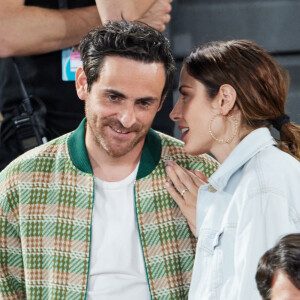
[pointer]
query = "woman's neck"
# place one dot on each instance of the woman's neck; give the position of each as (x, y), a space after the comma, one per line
(222, 151)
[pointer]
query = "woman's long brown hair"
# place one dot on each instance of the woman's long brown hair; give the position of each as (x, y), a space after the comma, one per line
(260, 83)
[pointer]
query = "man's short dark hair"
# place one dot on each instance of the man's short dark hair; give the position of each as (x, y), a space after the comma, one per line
(133, 40)
(284, 257)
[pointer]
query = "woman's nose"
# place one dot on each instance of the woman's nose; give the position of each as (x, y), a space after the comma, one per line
(176, 113)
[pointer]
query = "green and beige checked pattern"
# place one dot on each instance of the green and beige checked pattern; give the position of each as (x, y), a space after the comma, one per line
(45, 213)
(168, 244)
(46, 206)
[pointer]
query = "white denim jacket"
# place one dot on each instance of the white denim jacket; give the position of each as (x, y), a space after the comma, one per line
(251, 201)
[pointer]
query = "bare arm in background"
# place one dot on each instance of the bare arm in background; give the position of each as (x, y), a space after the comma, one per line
(156, 13)
(27, 30)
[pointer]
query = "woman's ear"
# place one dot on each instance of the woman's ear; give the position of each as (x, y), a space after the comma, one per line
(81, 84)
(227, 99)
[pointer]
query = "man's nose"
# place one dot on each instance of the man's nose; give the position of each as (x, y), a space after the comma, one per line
(127, 116)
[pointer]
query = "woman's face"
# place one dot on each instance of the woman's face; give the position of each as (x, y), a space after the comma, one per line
(193, 112)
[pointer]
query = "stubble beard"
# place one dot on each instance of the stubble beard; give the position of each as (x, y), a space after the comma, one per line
(97, 129)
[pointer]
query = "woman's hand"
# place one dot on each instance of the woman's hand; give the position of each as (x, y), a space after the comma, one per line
(184, 190)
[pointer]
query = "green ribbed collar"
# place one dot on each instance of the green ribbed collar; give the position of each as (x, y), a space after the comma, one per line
(79, 156)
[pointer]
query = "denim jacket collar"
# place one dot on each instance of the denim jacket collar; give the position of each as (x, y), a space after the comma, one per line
(253, 143)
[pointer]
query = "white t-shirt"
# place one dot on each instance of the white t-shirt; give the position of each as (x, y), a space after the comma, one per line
(117, 269)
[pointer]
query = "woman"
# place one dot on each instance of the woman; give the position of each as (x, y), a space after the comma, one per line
(230, 94)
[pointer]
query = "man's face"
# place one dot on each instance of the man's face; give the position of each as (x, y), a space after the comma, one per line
(122, 103)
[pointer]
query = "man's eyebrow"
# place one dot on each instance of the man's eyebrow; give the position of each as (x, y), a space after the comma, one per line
(147, 99)
(116, 93)
(119, 94)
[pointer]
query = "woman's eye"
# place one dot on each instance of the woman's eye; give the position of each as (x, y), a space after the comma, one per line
(184, 96)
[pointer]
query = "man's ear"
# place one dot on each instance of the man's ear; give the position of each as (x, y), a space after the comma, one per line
(81, 84)
(227, 99)
(161, 102)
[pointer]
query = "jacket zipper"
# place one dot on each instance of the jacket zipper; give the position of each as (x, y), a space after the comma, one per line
(90, 246)
(138, 226)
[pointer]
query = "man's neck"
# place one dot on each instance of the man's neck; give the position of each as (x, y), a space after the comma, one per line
(109, 168)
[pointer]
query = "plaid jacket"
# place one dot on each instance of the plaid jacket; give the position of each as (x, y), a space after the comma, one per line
(46, 203)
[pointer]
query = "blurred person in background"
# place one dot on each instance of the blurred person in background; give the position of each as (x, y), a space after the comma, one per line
(278, 272)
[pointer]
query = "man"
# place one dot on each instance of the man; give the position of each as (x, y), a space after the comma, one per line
(36, 52)
(278, 272)
(86, 216)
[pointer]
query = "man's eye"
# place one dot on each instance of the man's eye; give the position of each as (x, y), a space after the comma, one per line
(113, 97)
(144, 103)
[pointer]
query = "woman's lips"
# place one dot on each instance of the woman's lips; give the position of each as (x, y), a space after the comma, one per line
(184, 131)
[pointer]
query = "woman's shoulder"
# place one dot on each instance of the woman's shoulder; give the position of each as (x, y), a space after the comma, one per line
(272, 170)
(273, 159)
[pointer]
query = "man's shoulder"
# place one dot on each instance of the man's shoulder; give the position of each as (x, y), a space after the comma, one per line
(172, 149)
(39, 158)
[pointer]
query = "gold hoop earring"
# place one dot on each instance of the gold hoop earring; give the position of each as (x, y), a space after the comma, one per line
(234, 123)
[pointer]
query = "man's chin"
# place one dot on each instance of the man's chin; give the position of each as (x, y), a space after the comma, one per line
(115, 150)
(118, 153)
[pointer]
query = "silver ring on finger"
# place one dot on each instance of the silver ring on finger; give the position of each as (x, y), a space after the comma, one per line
(183, 191)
